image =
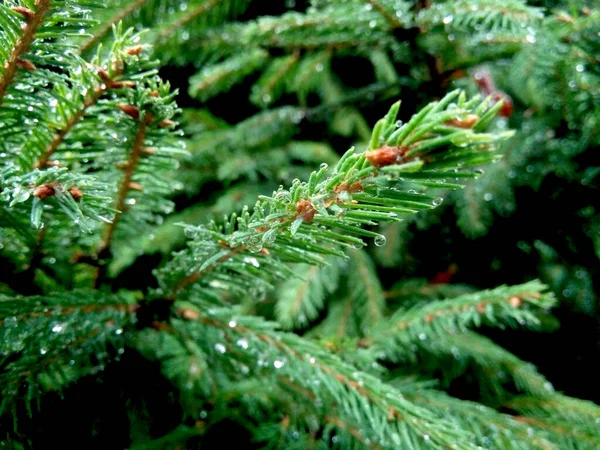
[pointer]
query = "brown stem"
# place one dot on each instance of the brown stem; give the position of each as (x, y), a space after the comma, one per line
(392, 20)
(197, 275)
(90, 100)
(109, 24)
(125, 187)
(22, 45)
(205, 7)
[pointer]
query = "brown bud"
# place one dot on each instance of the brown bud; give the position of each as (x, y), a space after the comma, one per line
(515, 301)
(306, 210)
(103, 74)
(507, 107)
(385, 156)
(134, 51)
(25, 12)
(481, 308)
(26, 64)
(148, 151)
(136, 186)
(44, 191)
(122, 84)
(130, 110)
(166, 123)
(154, 94)
(76, 193)
(189, 314)
(467, 122)
(264, 251)
(429, 318)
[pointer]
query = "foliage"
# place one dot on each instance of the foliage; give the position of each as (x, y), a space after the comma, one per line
(281, 320)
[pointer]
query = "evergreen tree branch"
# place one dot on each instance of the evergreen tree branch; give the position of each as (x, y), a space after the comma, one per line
(33, 21)
(106, 82)
(356, 193)
(204, 8)
(391, 18)
(49, 341)
(340, 387)
(108, 24)
(504, 305)
(126, 184)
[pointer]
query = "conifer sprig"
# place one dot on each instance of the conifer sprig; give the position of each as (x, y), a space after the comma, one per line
(435, 149)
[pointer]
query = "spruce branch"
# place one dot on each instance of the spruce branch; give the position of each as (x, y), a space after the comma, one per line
(33, 20)
(106, 82)
(331, 209)
(356, 397)
(108, 24)
(49, 341)
(126, 183)
(514, 305)
(189, 16)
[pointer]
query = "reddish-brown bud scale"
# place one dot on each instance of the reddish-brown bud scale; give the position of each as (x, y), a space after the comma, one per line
(507, 108)
(44, 191)
(166, 123)
(26, 64)
(306, 210)
(25, 12)
(515, 301)
(76, 193)
(130, 110)
(385, 156)
(122, 84)
(189, 314)
(134, 51)
(466, 122)
(136, 186)
(103, 74)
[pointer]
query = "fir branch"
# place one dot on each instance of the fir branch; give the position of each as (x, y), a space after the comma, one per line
(204, 8)
(391, 18)
(108, 24)
(126, 183)
(106, 83)
(340, 388)
(512, 305)
(355, 192)
(21, 47)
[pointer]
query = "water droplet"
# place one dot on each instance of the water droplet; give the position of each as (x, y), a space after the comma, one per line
(438, 201)
(242, 343)
(232, 324)
(422, 336)
(488, 197)
(380, 240)
(448, 19)
(278, 364)
(57, 328)
(254, 244)
(579, 67)
(190, 233)
(130, 201)
(372, 23)
(43, 351)
(220, 348)
(319, 67)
